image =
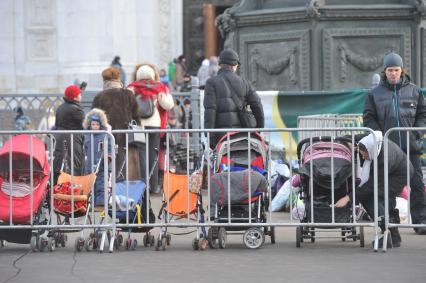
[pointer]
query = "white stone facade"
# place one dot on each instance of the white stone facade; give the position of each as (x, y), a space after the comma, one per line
(46, 44)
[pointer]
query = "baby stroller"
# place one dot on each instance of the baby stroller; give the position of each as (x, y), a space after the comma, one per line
(241, 207)
(80, 189)
(24, 178)
(318, 198)
(132, 203)
(179, 202)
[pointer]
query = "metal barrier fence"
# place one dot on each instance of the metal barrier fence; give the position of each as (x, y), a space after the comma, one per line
(126, 204)
(327, 121)
(404, 136)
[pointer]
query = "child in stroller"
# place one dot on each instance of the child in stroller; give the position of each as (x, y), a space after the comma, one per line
(325, 177)
(242, 202)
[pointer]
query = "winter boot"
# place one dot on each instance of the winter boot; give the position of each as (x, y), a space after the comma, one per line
(395, 236)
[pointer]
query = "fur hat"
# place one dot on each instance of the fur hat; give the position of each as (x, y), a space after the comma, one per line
(111, 74)
(229, 57)
(145, 72)
(72, 92)
(392, 60)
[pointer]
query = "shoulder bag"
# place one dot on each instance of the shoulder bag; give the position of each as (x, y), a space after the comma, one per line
(247, 119)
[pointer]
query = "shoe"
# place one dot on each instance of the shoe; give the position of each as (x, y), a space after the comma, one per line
(420, 231)
(396, 237)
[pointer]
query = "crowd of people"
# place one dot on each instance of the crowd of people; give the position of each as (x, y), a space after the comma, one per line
(393, 102)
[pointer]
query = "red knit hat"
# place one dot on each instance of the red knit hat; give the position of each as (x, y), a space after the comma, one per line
(72, 92)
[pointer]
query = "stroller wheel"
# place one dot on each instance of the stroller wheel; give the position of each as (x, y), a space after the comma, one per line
(79, 243)
(51, 244)
(195, 244)
(254, 238)
(222, 237)
(88, 244)
(64, 239)
(361, 237)
(120, 240)
(41, 244)
(272, 234)
(212, 237)
(168, 239)
(203, 244)
(134, 244)
(145, 240)
(298, 236)
(128, 243)
(163, 243)
(34, 243)
(151, 240)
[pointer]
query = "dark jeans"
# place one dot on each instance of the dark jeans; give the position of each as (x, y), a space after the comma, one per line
(417, 197)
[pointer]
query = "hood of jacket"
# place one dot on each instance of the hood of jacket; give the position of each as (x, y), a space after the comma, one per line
(369, 143)
(102, 116)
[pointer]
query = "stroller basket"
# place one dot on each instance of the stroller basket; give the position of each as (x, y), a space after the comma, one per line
(323, 214)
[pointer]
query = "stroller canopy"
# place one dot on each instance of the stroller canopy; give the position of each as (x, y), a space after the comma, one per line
(238, 147)
(21, 149)
(321, 154)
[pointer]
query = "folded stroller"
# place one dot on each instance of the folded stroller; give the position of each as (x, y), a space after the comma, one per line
(24, 176)
(234, 204)
(326, 164)
(182, 200)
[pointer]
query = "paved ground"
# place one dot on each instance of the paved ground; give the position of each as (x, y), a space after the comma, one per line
(327, 260)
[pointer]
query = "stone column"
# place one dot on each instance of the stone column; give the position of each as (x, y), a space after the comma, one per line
(210, 33)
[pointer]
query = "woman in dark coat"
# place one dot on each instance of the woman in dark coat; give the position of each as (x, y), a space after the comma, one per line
(120, 106)
(397, 179)
(69, 116)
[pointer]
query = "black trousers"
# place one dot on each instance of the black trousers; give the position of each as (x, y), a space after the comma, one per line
(154, 146)
(417, 197)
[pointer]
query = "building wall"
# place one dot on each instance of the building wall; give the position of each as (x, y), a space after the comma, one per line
(46, 44)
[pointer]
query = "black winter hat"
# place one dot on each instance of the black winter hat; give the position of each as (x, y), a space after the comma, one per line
(392, 60)
(229, 57)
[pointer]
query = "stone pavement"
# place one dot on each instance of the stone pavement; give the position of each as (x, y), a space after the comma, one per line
(326, 260)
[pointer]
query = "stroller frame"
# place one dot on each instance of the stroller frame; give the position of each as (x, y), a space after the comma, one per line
(194, 198)
(253, 237)
(320, 212)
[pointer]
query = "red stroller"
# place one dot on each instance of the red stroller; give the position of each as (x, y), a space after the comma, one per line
(24, 177)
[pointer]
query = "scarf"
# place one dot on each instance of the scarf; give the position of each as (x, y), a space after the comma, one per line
(110, 84)
(151, 89)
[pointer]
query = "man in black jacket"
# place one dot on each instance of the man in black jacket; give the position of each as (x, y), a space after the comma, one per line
(221, 110)
(396, 102)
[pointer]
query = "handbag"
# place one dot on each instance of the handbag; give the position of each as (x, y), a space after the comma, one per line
(136, 136)
(132, 125)
(247, 119)
(146, 106)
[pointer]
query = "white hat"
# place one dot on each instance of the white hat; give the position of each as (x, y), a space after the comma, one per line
(145, 72)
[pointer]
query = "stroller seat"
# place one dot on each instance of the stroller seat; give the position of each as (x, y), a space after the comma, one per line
(63, 194)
